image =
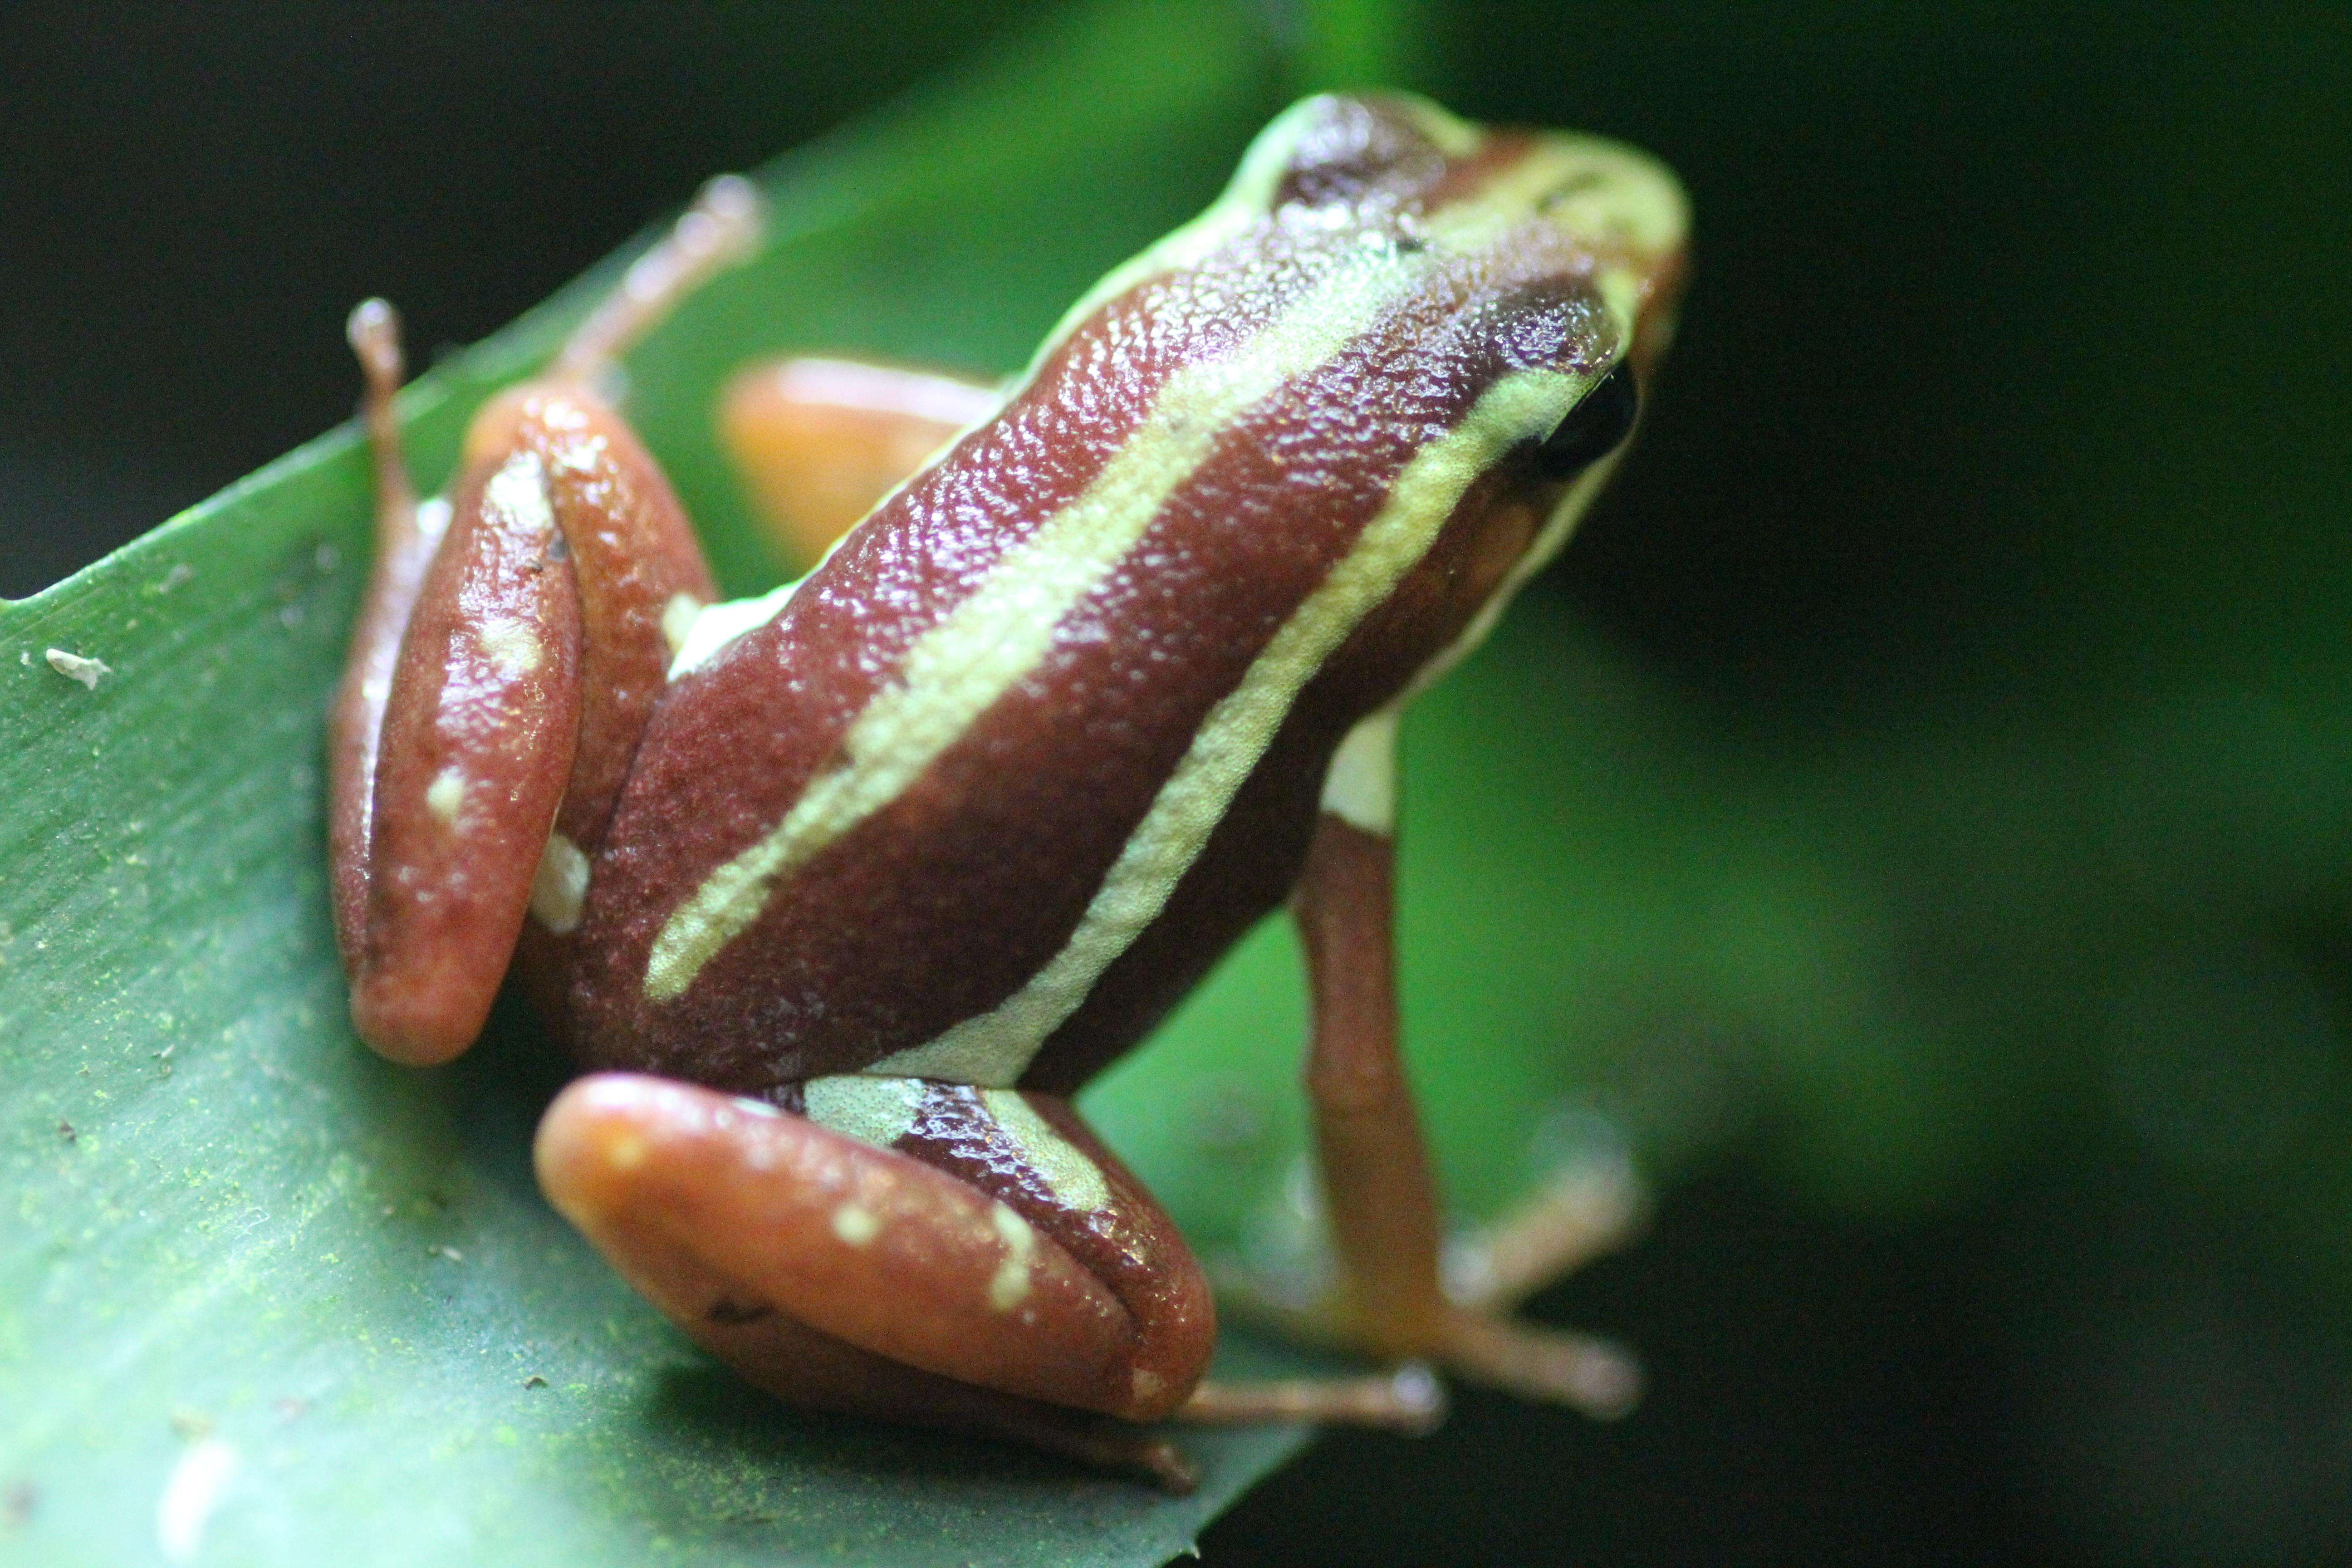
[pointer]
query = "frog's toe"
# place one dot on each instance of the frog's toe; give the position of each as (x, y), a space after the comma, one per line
(1597, 1376)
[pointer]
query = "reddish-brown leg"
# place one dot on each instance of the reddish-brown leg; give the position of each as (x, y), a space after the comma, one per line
(1379, 1196)
(503, 666)
(818, 442)
(990, 1268)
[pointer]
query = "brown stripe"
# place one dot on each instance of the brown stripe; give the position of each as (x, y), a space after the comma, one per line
(778, 703)
(1010, 833)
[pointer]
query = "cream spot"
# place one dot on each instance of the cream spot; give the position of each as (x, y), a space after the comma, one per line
(1361, 788)
(876, 1110)
(560, 885)
(856, 1225)
(446, 795)
(1010, 1286)
(1075, 1180)
(190, 1495)
(677, 620)
(510, 645)
(625, 1151)
(518, 491)
(1147, 1386)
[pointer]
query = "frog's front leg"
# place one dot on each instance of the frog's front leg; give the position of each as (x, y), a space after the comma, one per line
(1378, 1189)
(900, 1248)
(819, 441)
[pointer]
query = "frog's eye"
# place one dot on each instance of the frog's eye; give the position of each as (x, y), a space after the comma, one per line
(1594, 428)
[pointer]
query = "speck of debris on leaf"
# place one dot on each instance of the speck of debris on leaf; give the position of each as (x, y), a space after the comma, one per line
(66, 1131)
(16, 1506)
(534, 1380)
(451, 1253)
(74, 667)
(291, 1408)
(189, 1425)
(180, 573)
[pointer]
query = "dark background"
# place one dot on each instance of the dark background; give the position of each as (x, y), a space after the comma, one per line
(1999, 480)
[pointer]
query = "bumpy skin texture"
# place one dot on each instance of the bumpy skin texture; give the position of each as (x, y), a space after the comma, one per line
(942, 901)
(844, 907)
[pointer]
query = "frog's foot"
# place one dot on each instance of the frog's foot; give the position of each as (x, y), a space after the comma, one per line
(1585, 1212)
(918, 1251)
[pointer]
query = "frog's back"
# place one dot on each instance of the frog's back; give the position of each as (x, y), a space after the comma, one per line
(1046, 732)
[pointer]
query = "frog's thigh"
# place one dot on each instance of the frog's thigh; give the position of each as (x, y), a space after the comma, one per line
(995, 1245)
(818, 442)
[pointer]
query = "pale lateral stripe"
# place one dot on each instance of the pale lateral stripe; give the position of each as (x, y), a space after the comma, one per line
(1076, 1181)
(994, 1048)
(1537, 555)
(876, 1110)
(1004, 629)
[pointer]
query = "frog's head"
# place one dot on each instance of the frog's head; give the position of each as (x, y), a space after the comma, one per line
(1606, 212)
(1545, 269)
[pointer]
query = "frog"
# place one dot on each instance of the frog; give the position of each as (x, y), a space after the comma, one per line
(837, 897)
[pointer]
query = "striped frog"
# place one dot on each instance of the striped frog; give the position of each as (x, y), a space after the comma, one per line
(837, 896)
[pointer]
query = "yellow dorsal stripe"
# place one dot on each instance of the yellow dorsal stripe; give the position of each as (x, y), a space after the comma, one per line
(994, 1048)
(1004, 629)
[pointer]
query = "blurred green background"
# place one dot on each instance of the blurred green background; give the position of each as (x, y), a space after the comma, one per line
(1916, 807)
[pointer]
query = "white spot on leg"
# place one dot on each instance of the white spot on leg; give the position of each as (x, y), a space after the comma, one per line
(519, 490)
(1010, 1286)
(510, 645)
(446, 795)
(560, 885)
(1146, 1386)
(856, 1225)
(624, 1152)
(189, 1496)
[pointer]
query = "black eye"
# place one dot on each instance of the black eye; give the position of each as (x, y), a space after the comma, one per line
(1594, 428)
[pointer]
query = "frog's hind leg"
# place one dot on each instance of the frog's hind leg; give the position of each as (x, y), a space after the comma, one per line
(817, 442)
(956, 1257)
(508, 653)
